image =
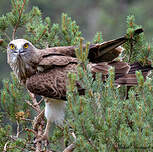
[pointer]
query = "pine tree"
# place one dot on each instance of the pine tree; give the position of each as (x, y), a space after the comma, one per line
(102, 119)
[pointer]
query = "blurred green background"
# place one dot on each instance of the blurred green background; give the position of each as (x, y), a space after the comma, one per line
(107, 16)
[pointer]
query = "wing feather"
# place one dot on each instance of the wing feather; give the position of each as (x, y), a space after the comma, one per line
(57, 60)
(51, 83)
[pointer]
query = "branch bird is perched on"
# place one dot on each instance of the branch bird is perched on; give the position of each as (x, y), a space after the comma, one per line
(44, 71)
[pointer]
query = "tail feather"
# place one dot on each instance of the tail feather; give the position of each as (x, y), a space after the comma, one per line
(130, 78)
(137, 66)
(124, 73)
(121, 68)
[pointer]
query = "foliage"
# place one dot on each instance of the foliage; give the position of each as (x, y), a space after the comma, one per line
(138, 50)
(102, 120)
(40, 32)
(13, 96)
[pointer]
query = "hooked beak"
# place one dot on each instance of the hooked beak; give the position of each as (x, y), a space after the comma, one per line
(20, 51)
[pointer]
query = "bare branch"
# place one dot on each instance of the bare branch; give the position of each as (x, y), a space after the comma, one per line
(41, 100)
(14, 31)
(35, 103)
(18, 129)
(70, 148)
(38, 119)
(26, 119)
(31, 105)
(38, 128)
(31, 130)
(5, 146)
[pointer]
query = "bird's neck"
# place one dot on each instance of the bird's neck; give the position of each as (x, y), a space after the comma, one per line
(25, 67)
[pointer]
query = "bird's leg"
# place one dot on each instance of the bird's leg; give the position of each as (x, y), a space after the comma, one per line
(46, 133)
(37, 119)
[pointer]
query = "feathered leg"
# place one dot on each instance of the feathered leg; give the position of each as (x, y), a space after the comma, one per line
(54, 112)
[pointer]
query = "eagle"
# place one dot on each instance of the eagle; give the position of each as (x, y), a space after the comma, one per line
(44, 71)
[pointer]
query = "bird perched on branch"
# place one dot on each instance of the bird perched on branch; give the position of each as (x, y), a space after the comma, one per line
(44, 71)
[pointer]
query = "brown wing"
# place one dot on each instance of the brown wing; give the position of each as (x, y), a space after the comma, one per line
(51, 83)
(104, 52)
(56, 60)
(109, 50)
(54, 66)
(62, 50)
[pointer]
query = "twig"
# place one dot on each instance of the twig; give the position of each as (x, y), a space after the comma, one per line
(41, 100)
(14, 31)
(17, 24)
(31, 105)
(71, 147)
(39, 129)
(26, 119)
(31, 130)
(21, 11)
(86, 136)
(41, 35)
(35, 103)
(38, 118)
(7, 36)
(131, 51)
(5, 146)
(18, 129)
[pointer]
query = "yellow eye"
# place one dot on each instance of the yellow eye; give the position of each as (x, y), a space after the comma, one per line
(26, 45)
(12, 47)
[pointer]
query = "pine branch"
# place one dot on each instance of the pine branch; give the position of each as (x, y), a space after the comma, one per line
(19, 17)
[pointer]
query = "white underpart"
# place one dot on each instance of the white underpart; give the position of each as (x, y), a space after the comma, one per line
(54, 111)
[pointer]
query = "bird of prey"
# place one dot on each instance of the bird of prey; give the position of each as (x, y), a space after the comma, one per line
(44, 71)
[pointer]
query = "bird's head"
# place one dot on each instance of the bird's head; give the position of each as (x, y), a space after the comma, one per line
(19, 49)
(20, 54)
